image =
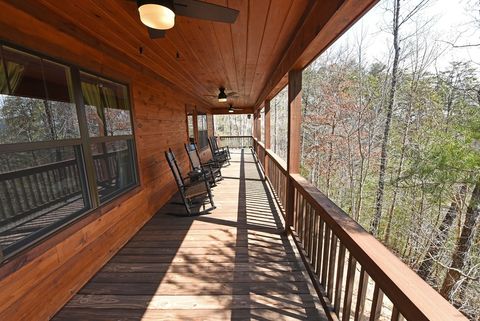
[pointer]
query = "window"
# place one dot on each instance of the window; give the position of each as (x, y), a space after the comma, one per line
(51, 172)
(110, 129)
(232, 125)
(261, 122)
(279, 123)
(202, 130)
(190, 128)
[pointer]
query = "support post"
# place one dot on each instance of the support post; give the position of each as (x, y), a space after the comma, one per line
(266, 122)
(259, 128)
(254, 125)
(293, 150)
(195, 124)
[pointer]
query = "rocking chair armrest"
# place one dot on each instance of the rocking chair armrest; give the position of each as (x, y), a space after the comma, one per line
(211, 163)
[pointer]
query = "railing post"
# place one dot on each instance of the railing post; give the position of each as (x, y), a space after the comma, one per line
(293, 149)
(266, 123)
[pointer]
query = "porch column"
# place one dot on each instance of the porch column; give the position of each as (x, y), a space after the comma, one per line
(293, 147)
(254, 131)
(195, 124)
(259, 129)
(266, 123)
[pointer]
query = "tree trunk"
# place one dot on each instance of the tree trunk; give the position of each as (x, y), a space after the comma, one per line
(441, 236)
(388, 119)
(459, 256)
(330, 156)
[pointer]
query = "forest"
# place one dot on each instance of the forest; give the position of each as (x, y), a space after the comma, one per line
(391, 133)
(396, 144)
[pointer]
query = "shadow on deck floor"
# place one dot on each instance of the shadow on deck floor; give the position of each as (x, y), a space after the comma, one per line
(233, 263)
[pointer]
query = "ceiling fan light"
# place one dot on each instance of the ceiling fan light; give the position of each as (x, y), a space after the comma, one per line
(230, 110)
(156, 14)
(222, 97)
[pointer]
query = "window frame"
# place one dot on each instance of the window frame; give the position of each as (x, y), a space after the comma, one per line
(85, 160)
(200, 115)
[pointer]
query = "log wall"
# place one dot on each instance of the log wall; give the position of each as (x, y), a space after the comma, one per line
(37, 282)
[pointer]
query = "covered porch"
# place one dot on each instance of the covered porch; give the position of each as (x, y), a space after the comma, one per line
(90, 230)
(231, 263)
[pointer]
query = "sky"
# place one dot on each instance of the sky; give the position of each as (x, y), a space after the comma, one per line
(448, 21)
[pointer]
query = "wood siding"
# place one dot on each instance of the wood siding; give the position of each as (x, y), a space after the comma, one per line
(39, 281)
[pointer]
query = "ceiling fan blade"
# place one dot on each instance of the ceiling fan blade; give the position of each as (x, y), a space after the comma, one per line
(231, 94)
(156, 33)
(206, 11)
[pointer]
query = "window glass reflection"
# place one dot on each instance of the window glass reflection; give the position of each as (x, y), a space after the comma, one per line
(114, 168)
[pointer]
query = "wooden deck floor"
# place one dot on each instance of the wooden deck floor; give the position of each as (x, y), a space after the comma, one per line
(233, 263)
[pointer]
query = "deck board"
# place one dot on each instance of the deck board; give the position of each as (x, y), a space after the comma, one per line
(230, 263)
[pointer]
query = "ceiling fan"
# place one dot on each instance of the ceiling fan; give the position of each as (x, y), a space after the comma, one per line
(159, 15)
(232, 109)
(223, 96)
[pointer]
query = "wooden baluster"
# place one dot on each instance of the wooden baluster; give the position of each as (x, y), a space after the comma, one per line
(68, 180)
(73, 178)
(45, 187)
(58, 182)
(311, 231)
(350, 279)
(339, 280)
(314, 239)
(377, 302)
(305, 224)
(25, 196)
(362, 291)
(41, 196)
(3, 211)
(10, 210)
(65, 180)
(76, 177)
(326, 250)
(320, 247)
(33, 193)
(301, 232)
(331, 267)
(17, 200)
(295, 212)
(53, 185)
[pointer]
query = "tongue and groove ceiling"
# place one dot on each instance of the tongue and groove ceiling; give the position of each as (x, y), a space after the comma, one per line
(198, 56)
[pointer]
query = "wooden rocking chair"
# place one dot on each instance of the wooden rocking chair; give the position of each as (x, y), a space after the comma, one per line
(211, 169)
(188, 189)
(219, 155)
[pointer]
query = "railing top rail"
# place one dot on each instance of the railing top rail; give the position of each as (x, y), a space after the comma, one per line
(412, 295)
(282, 165)
(230, 136)
(36, 169)
(276, 159)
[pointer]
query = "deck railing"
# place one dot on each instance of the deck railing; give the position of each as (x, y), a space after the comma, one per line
(356, 276)
(275, 170)
(237, 141)
(25, 193)
(30, 190)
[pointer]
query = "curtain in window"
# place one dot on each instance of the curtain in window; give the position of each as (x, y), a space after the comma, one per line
(15, 72)
(91, 95)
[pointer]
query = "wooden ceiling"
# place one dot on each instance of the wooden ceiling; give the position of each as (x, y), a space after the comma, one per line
(198, 56)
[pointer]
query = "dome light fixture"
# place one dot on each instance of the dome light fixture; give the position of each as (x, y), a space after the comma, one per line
(222, 97)
(157, 14)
